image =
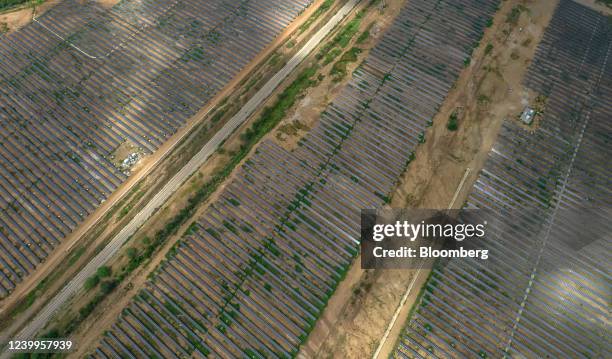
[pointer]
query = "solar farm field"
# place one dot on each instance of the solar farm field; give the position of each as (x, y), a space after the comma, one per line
(538, 295)
(84, 82)
(253, 273)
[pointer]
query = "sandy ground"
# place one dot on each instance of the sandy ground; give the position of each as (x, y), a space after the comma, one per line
(20, 17)
(144, 168)
(352, 328)
(15, 20)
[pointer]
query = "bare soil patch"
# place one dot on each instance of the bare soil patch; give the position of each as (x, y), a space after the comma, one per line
(14, 20)
(487, 92)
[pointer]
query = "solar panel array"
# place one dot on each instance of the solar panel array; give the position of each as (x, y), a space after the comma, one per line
(545, 291)
(133, 72)
(257, 268)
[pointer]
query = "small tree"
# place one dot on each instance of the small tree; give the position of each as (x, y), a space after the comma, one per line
(107, 286)
(103, 272)
(91, 282)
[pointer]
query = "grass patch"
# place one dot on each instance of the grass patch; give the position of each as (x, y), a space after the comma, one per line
(483, 99)
(343, 37)
(128, 207)
(327, 4)
(290, 129)
(124, 211)
(75, 256)
(331, 55)
(91, 282)
(275, 59)
(103, 272)
(338, 71)
(365, 34)
(26, 302)
(41, 287)
(252, 82)
(273, 114)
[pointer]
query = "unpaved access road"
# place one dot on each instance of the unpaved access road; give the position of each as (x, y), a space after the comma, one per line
(76, 284)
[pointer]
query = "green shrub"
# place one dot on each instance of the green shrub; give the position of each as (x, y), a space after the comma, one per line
(171, 308)
(193, 227)
(452, 124)
(338, 71)
(107, 286)
(422, 137)
(91, 282)
(331, 55)
(365, 34)
(321, 10)
(345, 35)
(103, 272)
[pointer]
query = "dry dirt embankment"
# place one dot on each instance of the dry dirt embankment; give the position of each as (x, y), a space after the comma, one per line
(487, 92)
